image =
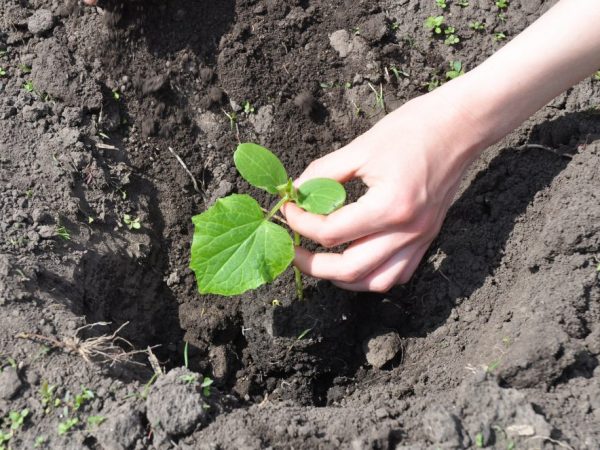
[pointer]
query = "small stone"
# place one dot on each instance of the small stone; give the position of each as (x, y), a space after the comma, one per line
(381, 349)
(10, 383)
(40, 21)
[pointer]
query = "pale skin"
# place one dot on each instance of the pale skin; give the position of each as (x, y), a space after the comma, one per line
(413, 159)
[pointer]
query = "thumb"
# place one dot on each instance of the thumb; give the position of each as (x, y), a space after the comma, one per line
(341, 165)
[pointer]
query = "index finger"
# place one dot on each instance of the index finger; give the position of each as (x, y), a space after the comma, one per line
(348, 223)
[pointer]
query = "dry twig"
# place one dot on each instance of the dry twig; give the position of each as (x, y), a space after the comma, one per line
(186, 169)
(101, 349)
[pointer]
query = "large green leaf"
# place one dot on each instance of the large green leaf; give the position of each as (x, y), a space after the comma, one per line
(321, 195)
(260, 167)
(236, 249)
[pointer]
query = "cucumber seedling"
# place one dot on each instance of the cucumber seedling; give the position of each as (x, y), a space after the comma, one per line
(236, 246)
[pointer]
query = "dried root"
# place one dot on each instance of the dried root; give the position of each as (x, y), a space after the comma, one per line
(102, 349)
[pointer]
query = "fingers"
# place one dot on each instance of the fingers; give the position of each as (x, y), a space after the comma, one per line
(397, 270)
(348, 223)
(340, 165)
(357, 261)
(90, 2)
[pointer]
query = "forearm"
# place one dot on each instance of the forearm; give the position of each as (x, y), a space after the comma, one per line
(557, 51)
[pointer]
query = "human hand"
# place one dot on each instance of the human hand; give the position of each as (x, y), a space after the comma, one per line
(412, 162)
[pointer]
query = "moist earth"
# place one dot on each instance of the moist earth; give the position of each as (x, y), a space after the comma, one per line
(135, 108)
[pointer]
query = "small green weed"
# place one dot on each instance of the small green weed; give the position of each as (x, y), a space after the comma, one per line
(24, 68)
(63, 233)
(394, 25)
(28, 86)
(94, 421)
(501, 4)
(206, 384)
(189, 378)
(81, 398)
(479, 441)
(303, 334)
(132, 224)
(116, 95)
(435, 24)
(67, 425)
(39, 441)
(398, 73)
(441, 3)
(492, 366)
(451, 37)
(47, 394)
(499, 36)
(379, 100)
(248, 108)
(463, 3)
(17, 418)
(4, 438)
(2, 72)
(11, 362)
(502, 17)
(233, 118)
(456, 70)
(433, 83)
(477, 26)
(596, 76)
(186, 360)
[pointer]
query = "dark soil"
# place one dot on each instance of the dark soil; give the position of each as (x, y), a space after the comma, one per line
(494, 343)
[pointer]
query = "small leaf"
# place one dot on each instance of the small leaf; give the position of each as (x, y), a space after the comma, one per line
(236, 249)
(321, 195)
(260, 167)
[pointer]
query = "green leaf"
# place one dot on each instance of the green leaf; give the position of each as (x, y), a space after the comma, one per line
(259, 167)
(236, 249)
(321, 195)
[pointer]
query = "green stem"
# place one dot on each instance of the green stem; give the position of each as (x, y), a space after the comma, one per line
(277, 207)
(297, 273)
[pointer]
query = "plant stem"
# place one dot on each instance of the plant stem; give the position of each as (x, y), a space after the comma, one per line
(277, 207)
(297, 273)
